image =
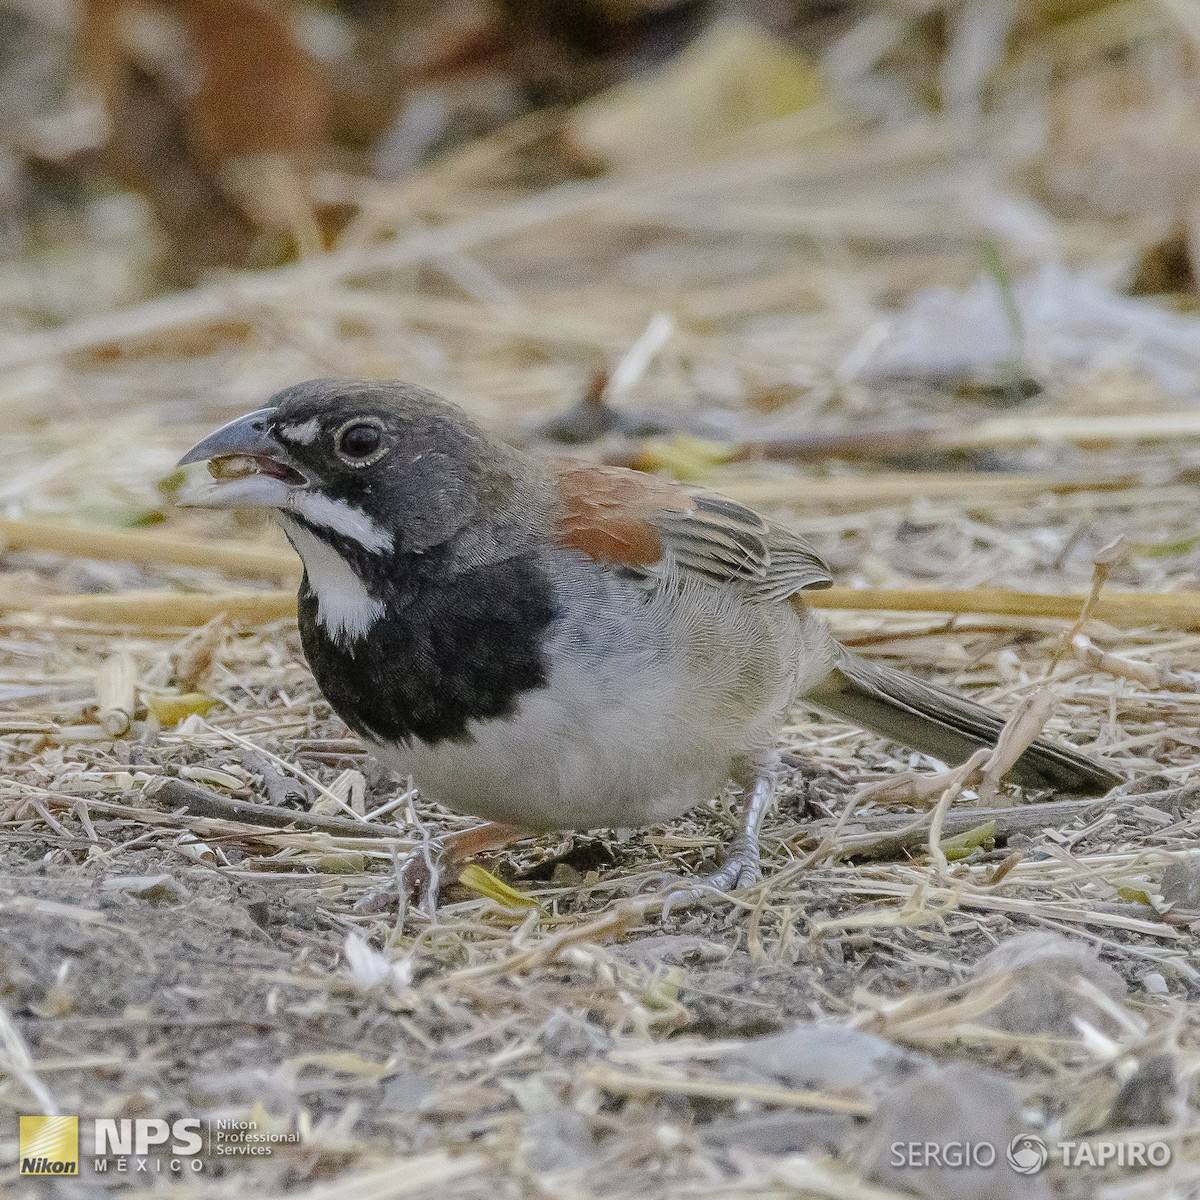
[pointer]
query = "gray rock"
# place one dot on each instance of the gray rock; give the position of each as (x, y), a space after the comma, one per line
(821, 1056)
(1147, 1097)
(919, 1137)
(780, 1132)
(405, 1093)
(1181, 884)
(558, 1141)
(566, 1035)
(1044, 999)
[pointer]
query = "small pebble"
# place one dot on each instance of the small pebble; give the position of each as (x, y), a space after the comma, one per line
(1155, 984)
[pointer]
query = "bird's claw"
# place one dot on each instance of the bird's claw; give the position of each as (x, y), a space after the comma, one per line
(740, 869)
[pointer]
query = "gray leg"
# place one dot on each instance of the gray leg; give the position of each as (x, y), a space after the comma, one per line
(740, 866)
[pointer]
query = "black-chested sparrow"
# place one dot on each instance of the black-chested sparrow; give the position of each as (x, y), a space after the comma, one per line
(550, 644)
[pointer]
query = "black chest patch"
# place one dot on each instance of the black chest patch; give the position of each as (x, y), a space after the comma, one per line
(448, 649)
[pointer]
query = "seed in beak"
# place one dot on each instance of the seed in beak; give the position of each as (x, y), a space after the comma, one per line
(233, 466)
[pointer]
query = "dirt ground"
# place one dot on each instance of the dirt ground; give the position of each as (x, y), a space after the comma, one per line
(782, 1043)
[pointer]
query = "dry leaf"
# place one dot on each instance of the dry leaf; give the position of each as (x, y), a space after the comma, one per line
(487, 885)
(735, 76)
(170, 710)
(259, 92)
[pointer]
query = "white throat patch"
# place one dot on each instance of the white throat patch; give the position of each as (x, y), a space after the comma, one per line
(344, 606)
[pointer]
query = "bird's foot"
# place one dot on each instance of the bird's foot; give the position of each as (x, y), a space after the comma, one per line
(741, 868)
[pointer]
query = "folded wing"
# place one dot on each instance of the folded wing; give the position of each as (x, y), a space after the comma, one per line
(654, 527)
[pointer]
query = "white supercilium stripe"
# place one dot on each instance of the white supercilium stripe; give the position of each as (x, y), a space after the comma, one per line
(303, 434)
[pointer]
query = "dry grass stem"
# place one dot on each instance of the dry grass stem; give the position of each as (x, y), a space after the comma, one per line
(1171, 610)
(135, 546)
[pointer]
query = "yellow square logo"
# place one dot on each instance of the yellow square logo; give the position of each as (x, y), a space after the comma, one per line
(49, 1145)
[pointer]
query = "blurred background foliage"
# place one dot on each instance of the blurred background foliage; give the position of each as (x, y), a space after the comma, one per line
(155, 141)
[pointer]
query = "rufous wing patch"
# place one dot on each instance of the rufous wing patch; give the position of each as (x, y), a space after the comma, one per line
(624, 518)
(609, 513)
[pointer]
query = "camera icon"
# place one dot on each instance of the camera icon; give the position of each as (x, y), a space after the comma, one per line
(1027, 1154)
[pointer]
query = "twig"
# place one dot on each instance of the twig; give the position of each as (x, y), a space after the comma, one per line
(287, 767)
(174, 794)
(158, 609)
(957, 779)
(240, 299)
(1154, 676)
(15, 1056)
(879, 441)
(116, 692)
(624, 1083)
(613, 922)
(1101, 566)
(897, 487)
(1090, 430)
(161, 609)
(425, 1174)
(1020, 731)
(891, 834)
(1176, 610)
(932, 437)
(940, 437)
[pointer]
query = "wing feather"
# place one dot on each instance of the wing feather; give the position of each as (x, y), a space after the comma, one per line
(653, 526)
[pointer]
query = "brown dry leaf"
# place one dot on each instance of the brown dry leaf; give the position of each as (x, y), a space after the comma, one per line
(1114, 146)
(217, 160)
(259, 116)
(100, 55)
(259, 93)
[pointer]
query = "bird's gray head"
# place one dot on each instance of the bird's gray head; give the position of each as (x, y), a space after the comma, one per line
(369, 467)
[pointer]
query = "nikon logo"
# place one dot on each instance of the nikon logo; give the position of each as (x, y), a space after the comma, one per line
(49, 1145)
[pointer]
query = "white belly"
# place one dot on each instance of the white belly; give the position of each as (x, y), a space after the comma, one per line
(570, 759)
(630, 730)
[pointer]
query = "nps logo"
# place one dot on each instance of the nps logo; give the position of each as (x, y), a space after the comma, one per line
(147, 1145)
(49, 1145)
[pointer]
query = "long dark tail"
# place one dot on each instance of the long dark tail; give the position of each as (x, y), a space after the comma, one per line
(950, 727)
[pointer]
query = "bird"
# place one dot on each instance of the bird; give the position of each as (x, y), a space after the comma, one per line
(552, 644)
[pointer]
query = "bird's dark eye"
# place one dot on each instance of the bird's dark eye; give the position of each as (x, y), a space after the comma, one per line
(360, 443)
